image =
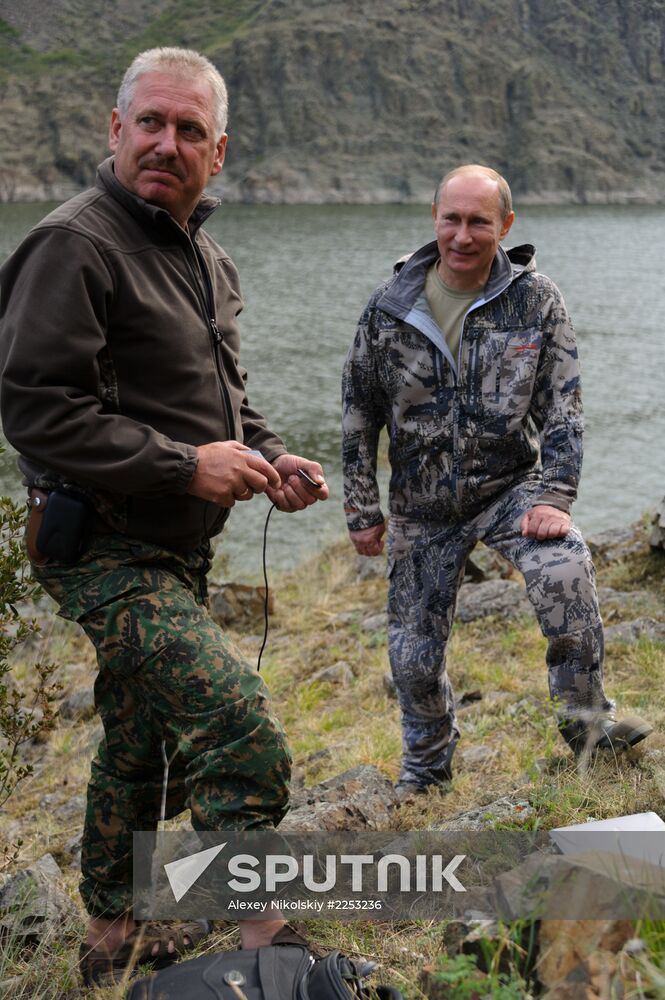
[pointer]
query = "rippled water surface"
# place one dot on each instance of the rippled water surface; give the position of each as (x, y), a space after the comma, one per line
(307, 272)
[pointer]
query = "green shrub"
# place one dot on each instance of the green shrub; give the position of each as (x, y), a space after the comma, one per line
(26, 709)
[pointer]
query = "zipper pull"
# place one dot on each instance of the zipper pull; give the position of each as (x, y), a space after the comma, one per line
(215, 330)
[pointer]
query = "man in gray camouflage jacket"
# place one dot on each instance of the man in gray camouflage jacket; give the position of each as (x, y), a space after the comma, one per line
(468, 357)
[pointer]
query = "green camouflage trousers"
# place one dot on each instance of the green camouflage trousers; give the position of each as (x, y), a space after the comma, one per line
(166, 673)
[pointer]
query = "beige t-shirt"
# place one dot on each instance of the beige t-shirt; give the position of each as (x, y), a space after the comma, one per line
(448, 306)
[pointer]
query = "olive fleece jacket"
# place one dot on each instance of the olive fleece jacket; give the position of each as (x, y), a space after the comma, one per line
(119, 352)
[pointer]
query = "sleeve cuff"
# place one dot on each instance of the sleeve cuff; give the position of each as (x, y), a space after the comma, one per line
(554, 500)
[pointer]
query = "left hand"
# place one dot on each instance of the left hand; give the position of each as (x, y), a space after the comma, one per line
(295, 493)
(543, 522)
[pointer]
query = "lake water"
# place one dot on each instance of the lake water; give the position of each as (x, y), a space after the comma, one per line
(307, 272)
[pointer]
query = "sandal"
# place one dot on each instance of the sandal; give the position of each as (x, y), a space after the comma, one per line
(289, 935)
(102, 968)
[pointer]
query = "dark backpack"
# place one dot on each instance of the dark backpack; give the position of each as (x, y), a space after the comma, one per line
(285, 972)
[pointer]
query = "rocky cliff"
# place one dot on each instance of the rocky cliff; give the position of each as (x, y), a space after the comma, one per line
(357, 100)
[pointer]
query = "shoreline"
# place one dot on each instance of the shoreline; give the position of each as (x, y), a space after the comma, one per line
(233, 194)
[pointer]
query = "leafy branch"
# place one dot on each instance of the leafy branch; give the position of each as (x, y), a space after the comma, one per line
(26, 709)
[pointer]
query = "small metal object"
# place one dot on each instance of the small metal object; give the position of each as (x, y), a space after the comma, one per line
(308, 479)
(234, 978)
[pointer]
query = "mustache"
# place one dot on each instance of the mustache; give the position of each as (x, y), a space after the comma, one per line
(162, 163)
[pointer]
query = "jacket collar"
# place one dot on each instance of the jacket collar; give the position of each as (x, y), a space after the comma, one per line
(402, 293)
(143, 210)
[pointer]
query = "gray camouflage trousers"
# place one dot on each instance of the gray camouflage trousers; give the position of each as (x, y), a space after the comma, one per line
(426, 567)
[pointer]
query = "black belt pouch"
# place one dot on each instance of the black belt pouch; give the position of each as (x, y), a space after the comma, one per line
(65, 525)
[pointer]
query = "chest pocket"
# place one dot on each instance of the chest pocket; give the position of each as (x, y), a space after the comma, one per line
(503, 366)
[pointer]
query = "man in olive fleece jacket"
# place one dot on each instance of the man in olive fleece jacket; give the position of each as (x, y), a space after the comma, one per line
(121, 383)
(468, 357)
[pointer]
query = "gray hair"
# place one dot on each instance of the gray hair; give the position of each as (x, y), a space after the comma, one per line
(505, 197)
(181, 62)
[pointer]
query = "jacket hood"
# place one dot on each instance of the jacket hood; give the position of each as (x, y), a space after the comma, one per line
(411, 271)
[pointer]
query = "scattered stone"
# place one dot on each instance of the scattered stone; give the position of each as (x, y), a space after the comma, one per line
(476, 756)
(486, 564)
(370, 567)
(632, 632)
(325, 753)
(80, 705)
(525, 706)
(72, 811)
(236, 603)
(467, 698)
(570, 887)
(502, 810)
(358, 799)
(502, 598)
(617, 543)
(619, 603)
(33, 903)
(580, 952)
(337, 673)
(657, 532)
(375, 623)
(73, 848)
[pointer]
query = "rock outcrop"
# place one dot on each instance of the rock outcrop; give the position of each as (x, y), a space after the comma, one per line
(362, 102)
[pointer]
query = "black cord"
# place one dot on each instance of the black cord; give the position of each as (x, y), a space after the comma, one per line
(265, 581)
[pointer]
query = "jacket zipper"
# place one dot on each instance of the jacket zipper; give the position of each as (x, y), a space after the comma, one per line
(203, 286)
(473, 357)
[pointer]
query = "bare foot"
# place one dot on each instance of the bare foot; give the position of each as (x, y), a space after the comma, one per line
(109, 935)
(257, 933)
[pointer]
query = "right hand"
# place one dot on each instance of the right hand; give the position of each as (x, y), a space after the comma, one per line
(226, 471)
(369, 541)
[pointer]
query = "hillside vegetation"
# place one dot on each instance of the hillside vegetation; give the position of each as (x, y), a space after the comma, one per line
(326, 613)
(356, 100)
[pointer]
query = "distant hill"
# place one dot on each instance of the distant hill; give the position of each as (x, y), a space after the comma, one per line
(356, 101)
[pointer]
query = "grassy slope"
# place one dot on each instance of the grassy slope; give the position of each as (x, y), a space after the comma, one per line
(359, 724)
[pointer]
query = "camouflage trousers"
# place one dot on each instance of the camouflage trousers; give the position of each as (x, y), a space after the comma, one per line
(169, 679)
(426, 567)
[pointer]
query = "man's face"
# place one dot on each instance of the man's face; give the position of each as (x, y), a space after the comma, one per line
(469, 226)
(166, 148)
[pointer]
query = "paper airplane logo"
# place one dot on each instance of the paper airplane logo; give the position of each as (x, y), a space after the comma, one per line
(182, 874)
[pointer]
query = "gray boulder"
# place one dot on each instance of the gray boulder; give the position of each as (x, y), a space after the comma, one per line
(501, 598)
(632, 632)
(79, 705)
(505, 809)
(33, 903)
(359, 799)
(657, 532)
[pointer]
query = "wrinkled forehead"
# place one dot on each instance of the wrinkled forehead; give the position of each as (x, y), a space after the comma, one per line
(166, 89)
